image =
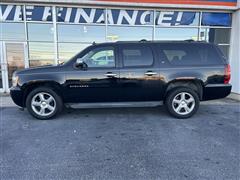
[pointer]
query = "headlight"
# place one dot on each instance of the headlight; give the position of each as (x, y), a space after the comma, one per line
(15, 80)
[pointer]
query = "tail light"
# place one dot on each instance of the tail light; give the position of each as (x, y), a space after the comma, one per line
(227, 74)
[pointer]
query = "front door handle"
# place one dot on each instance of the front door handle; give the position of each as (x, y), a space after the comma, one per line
(150, 73)
(110, 74)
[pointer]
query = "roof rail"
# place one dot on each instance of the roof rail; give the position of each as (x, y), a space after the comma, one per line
(189, 40)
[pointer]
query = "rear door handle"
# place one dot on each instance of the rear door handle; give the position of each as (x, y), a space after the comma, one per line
(110, 74)
(150, 73)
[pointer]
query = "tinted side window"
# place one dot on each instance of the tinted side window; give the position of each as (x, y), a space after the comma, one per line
(100, 57)
(190, 54)
(137, 55)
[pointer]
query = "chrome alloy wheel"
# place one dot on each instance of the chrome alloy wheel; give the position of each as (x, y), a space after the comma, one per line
(43, 104)
(183, 103)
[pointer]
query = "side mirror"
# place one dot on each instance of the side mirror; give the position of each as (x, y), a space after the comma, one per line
(81, 64)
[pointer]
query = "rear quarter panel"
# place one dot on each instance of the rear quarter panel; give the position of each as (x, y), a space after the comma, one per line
(213, 75)
(207, 75)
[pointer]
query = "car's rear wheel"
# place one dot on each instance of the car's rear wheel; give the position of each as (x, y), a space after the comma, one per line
(182, 102)
(44, 103)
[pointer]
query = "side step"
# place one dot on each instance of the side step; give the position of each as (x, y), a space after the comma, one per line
(114, 104)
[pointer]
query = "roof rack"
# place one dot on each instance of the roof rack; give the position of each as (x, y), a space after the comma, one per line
(143, 40)
(192, 40)
(161, 41)
(189, 40)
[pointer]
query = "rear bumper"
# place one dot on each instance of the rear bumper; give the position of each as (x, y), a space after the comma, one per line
(216, 91)
(17, 96)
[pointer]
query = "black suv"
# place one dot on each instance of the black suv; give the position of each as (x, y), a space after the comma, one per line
(144, 73)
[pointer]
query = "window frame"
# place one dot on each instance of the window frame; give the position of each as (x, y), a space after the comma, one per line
(147, 45)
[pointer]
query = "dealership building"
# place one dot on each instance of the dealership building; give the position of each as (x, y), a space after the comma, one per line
(34, 32)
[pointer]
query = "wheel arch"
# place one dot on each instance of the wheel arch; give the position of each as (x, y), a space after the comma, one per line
(27, 88)
(195, 84)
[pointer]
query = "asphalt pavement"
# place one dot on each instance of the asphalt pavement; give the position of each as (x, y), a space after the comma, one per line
(121, 143)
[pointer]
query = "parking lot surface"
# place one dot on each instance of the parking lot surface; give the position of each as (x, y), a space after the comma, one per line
(121, 143)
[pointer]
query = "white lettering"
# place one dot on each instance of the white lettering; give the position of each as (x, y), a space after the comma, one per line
(18, 13)
(143, 17)
(125, 15)
(86, 17)
(47, 13)
(4, 15)
(162, 17)
(179, 18)
(68, 15)
(59, 13)
(29, 11)
(110, 17)
(101, 18)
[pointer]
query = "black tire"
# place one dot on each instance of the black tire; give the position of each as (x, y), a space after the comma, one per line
(174, 93)
(57, 98)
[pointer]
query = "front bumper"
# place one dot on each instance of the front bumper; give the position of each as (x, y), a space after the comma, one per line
(216, 91)
(17, 96)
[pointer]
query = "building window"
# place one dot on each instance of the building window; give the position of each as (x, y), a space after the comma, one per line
(41, 53)
(81, 33)
(216, 19)
(74, 38)
(68, 50)
(121, 33)
(40, 44)
(216, 35)
(219, 36)
(40, 32)
(12, 31)
(176, 33)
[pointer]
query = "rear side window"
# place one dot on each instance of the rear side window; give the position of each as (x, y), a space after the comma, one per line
(137, 55)
(189, 54)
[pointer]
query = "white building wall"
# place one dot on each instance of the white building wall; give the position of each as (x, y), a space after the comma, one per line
(235, 52)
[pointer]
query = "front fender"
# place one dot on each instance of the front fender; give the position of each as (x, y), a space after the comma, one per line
(28, 79)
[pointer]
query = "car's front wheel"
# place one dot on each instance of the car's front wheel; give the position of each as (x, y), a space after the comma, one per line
(44, 103)
(182, 102)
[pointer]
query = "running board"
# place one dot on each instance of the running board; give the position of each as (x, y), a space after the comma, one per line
(114, 104)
